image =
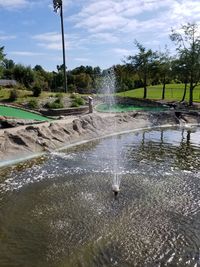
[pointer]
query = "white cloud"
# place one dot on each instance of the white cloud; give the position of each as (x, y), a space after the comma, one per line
(49, 40)
(113, 14)
(48, 37)
(132, 16)
(16, 4)
(53, 41)
(122, 51)
(26, 53)
(104, 37)
(13, 3)
(4, 37)
(82, 59)
(51, 46)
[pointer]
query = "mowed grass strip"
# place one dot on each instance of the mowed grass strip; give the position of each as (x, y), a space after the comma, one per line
(172, 92)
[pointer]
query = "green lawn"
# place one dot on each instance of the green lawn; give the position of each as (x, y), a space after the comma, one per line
(173, 92)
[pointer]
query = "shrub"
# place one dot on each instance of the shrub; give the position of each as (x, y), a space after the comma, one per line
(13, 95)
(75, 104)
(55, 105)
(33, 103)
(36, 90)
(77, 101)
(59, 96)
(80, 100)
(73, 95)
(71, 88)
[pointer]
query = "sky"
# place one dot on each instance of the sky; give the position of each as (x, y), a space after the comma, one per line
(97, 32)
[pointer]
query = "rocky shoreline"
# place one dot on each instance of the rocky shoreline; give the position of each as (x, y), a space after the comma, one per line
(25, 141)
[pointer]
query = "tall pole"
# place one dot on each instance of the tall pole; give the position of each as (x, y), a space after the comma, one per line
(63, 48)
(57, 4)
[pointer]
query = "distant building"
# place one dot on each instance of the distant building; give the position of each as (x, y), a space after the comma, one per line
(8, 83)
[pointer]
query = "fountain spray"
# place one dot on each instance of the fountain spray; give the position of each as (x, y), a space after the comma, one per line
(116, 184)
(109, 88)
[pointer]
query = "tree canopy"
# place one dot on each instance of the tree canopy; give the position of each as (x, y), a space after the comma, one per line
(187, 41)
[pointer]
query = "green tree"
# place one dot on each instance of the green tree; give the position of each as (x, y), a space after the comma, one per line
(180, 72)
(187, 42)
(23, 75)
(83, 83)
(8, 66)
(124, 77)
(164, 68)
(42, 78)
(142, 63)
(2, 55)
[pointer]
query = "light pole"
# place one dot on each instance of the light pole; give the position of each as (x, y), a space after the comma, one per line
(58, 5)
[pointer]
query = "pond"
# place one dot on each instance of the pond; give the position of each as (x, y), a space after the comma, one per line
(126, 107)
(59, 211)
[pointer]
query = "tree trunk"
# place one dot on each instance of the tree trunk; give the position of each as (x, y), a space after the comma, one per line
(163, 90)
(145, 87)
(191, 93)
(145, 92)
(184, 93)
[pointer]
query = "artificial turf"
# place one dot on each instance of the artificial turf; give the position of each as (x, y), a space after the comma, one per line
(20, 114)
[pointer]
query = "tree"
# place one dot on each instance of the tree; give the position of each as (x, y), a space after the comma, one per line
(142, 63)
(8, 66)
(187, 42)
(180, 71)
(2, 55)
(83, 83)
(24, 75)
(42, 78)
(58, 5)
(164, 68)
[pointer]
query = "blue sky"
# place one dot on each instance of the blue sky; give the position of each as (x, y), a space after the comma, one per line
(98, 32)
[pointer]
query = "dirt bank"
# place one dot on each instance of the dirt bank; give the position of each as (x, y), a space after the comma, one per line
(25, 141)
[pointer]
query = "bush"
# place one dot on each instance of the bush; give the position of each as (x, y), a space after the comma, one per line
(36, 90)
(77, 101)
(71, 88)
(33, 104)
(80, 100)
(55, 105)
(74, 104)
(13, 95)
(73, 95)
(59, 96)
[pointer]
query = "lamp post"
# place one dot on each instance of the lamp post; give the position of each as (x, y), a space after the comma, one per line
(58, 5)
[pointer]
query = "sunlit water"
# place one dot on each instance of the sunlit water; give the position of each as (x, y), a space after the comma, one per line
(59, 210)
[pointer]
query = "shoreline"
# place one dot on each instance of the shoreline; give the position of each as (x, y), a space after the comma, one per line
(26, 142)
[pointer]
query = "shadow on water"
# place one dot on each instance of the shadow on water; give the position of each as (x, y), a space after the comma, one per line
(59, 210)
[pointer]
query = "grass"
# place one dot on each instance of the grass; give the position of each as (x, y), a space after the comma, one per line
(173, 92)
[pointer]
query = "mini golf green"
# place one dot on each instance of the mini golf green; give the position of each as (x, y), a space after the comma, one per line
(124, 108)
(21, 114)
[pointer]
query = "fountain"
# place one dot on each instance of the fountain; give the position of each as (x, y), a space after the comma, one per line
(108, 88)
(56, 210)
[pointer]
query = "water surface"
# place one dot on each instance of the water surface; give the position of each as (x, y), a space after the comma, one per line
(59, 210)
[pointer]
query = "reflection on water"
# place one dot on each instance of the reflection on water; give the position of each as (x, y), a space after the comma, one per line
(59, 210)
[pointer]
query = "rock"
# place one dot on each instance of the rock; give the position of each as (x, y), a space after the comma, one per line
(25, 141)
